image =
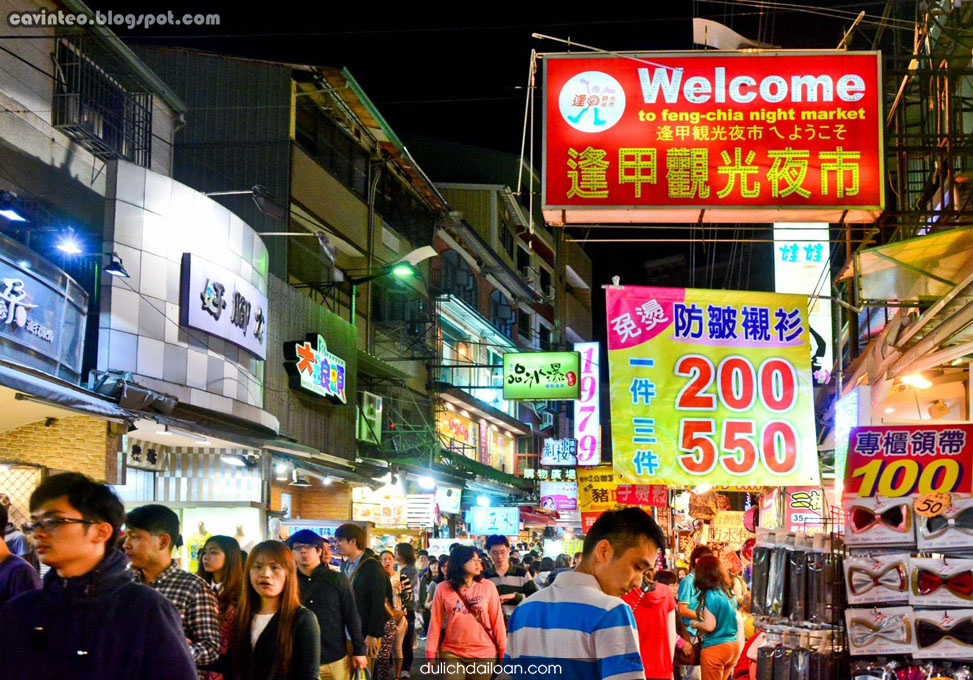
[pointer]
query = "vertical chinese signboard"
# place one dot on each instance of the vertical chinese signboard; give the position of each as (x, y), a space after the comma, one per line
(587, 409)
(710, 386)
(775, 136)
(896, 461)
(597, 492)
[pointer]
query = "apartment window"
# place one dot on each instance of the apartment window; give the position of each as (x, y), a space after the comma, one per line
(457, 278)
(332, 148)
(523, 261)
(546, 279)
(97, 111)
(544, 337)
(505, 232)
(502, 315)
(524, 325)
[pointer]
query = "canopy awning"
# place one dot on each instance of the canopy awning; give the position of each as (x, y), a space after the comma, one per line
(534, 517)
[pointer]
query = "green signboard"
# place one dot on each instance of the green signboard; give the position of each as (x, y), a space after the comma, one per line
(541, 375)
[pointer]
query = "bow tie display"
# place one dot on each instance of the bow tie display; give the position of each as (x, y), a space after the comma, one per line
(897, 518)
(926, 582)
(893, 629)
(893, 578)
(936, 526)
(928, 633)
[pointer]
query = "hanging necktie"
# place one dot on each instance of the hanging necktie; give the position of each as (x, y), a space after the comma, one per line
(894, 578)
(893, 629)
(936, 526)
(927, 582)
(897, 518)
(928, 633)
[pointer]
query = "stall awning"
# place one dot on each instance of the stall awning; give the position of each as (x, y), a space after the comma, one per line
(535, 517)
(458, 460)
(456, 396)
(318, 467)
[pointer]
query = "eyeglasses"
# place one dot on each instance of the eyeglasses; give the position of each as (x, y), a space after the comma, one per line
(499, 553)
(49, 524)
(301, 547)
(897, 518)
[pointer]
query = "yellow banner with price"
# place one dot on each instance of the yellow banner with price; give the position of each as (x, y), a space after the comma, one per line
(710, 386)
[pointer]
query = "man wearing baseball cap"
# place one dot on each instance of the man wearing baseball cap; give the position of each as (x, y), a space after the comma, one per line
(329, 595)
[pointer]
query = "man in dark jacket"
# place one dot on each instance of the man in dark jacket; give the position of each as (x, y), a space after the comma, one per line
(369, 581)
(91, 619)
(328, 594)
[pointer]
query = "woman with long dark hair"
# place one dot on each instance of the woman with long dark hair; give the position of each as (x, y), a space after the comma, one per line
(274, 637)
(405, 556)
(470, 606)
(221, 566)
(430, 578)
(716, 619)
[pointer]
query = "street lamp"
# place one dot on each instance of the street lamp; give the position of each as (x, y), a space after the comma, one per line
(403, 269)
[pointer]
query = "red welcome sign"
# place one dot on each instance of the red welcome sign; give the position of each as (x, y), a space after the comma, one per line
(785, 135)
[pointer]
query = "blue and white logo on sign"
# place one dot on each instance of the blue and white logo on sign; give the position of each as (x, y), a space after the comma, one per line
(592, 101)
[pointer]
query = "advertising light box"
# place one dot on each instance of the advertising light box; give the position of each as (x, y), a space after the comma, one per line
(490, 521)
(710, 386)
(541, 375)
(742, 137)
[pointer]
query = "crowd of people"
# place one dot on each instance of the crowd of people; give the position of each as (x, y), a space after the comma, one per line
(116, 605)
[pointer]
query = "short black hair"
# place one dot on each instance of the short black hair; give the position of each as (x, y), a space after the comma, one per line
(406, 552)
(156, 519)
(422, 553)
(4, 517)
(349, 532)
(305, 537)
(496, 540)
(623, 529)
(666, 578)
(95, 501)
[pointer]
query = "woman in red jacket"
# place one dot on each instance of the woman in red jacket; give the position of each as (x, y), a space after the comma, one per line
(655, 615)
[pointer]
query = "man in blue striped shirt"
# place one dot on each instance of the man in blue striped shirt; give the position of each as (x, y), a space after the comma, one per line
(579, 628)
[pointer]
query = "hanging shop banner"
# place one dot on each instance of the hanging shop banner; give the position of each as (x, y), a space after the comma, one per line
(895, 461)
(775, 136)
(217, 301)
(560, 452)
(448, 498)
(553, 474)
(587, 409)
(728, 528)
(804, 508)
(597, 491)
(646, 495)
(768, 509)
(541, 375)
(490, 521)
(314, 369)
(710, 386)
(559, 495)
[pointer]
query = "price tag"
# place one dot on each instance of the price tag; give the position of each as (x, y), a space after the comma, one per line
(931, 504)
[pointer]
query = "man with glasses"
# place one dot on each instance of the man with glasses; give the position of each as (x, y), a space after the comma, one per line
(328, 594)
(90, 620)
(512, 580)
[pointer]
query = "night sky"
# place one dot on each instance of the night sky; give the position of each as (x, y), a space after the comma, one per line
(434, 74)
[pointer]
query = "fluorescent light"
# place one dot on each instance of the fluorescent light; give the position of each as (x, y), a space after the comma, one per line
(12, 215)
(69, 246)
(280, 467)
(427, 483)
(234, 459)
(403, 270)
(890, 410)
(483, 501)
(327, 481)
(917, 380)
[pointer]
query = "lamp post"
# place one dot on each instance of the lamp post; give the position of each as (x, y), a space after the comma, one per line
(403, 269)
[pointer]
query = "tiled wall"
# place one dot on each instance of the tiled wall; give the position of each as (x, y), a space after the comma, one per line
(198, 474)
(151, 221)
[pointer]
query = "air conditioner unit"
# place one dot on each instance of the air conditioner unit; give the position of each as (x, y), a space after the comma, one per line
(547, 420)
(369, 418)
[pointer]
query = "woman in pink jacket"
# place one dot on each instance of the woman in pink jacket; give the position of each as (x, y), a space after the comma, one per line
(470, 607)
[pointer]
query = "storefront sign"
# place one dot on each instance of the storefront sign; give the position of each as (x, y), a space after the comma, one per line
(42, 313)
(553, 474)
(448, 499)
(645, 495)
(587, 409)
(541, 375)
(761, 135)
(804, 508)
(728, 527)
(897, 461)
(596, 489)
(802, 261)
(559, 495)
(314, 369)
(710, 386)
(460, 433)
(386, 507)
(560, 452)
(223, 304)
(490, 521)
(144, 455)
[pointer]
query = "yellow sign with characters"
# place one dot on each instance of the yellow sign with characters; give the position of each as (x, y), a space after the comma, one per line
(710, 386)
(597, 491)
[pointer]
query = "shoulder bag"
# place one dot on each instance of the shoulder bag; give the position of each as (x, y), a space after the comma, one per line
(476, 615)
